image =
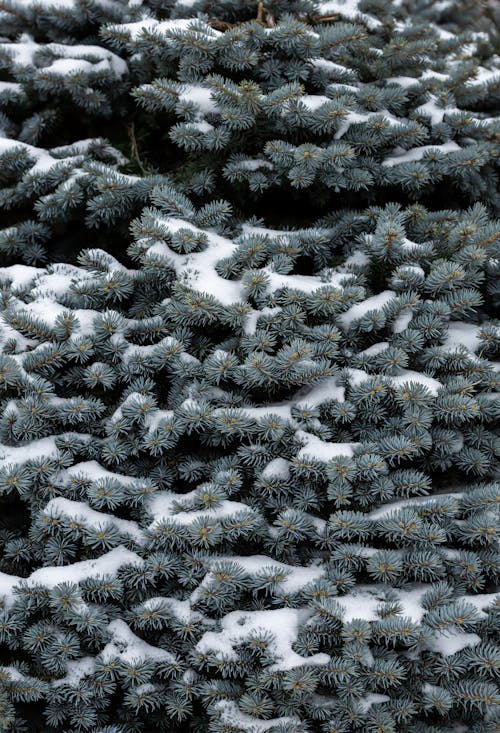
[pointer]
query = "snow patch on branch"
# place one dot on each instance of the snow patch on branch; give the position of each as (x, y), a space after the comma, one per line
(282, 625)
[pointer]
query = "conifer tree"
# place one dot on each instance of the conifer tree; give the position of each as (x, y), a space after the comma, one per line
(249, 366)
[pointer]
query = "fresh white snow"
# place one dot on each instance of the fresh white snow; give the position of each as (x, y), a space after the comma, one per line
(283, 624)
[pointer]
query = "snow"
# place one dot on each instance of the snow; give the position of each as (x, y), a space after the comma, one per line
(415, 502)
(364, 602)
(330, 66)
(59, 4)
(442, 5)
(201, 126)
(48, 310)
(69, 66)
(356, 376)
(431, 74)
(412, 247)
(375, 349)
(359, 605)
(182, 24)
(254, 315)
(282, 623)
(129, 648)
(11, 87)
(200, 96)
(282, 409)
(197, 269)
(357, 311)
(277, 468)
(432, 109)
(136, 351)
(416, 269)
(82, 146)
(481, 601)
(485, 76)
(155, 418)
(7, 585)
(44, 161)
(20, 276)
(93, 471)
(408, 156)
(403, 81)
(306, 397)
(180, 609)
(373, 698)
(305, 283)
(76, 670)
(161, 507)
(247, 228)
(134, 30)
(255, 164)
(402, 321)
(298, 577)
(313, 101)
(353, 118)
(54, 282)
(411, 602)
(18, 455)
(22, 51)
(357, 258)
(444, 34)
(451, 641)
(409, 81)
(321, 449)
(325, 391)
(112, 63)
(13, 674)
(23, 54)
(107, 564)
(82, 513)
(335, 87)
(231, 715)
(349, 9)
(461, 333)
(407, 375)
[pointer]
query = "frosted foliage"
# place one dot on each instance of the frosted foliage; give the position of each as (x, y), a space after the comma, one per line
(282, 625)
(248, 366)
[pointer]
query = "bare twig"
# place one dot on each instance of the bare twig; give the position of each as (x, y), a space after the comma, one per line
(325, 18)
(4, 8)
(220, 25)
(134, 150)
(266, 18)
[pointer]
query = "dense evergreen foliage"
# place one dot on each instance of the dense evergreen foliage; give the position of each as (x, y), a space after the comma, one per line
(249, 355)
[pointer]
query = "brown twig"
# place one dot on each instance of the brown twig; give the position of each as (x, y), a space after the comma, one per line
(12, 11)
(134, 150)
(265, 18)
(325, 18)
(220, 25)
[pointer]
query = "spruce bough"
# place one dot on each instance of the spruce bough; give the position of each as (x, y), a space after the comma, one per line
(249, 367)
